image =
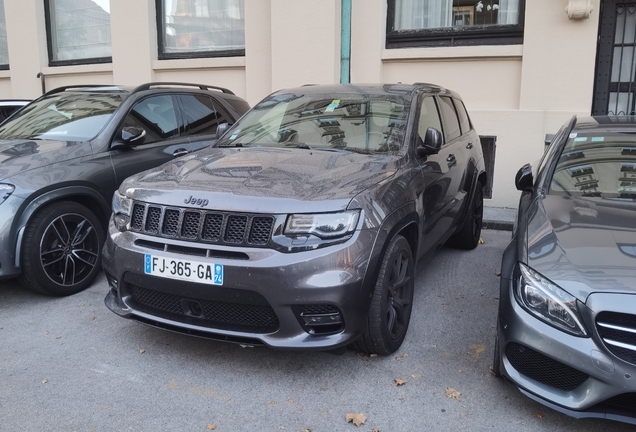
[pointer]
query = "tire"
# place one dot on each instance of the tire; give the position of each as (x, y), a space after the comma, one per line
(391, 302)
(468, 236)
(61, 249)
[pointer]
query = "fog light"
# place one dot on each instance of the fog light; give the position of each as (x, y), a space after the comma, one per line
(322, 319)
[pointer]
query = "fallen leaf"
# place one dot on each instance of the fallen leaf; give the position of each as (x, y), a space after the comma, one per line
(291, 400)
(402, 357)
(498, 273)
(212, 426)
(477, 351)
(375, 430)
(299, 407)
(306, 430)
(45, 381)
(356, 419)
(92, 318)
(46, 333)
(537, 415)
(453, 394)
(460, 370)
(399, 382)
(271, 402)
(481, 241)
(141, 351)
(373, 355)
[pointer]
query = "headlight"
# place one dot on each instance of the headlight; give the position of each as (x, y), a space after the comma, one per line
(121, 211)
(323, 225)
(548, 302)
(5, 191)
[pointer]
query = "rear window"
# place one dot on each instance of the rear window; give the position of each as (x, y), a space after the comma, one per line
(239, 105)
(597, 165)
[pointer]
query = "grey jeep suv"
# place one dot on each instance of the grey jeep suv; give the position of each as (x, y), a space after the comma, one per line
(302, 225)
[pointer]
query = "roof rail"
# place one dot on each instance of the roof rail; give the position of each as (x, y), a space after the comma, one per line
(64, 88)
(147, 86)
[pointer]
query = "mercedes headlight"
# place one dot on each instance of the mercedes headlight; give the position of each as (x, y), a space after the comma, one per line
(323, 225)
(121, 211)
(5, 191)
(548, 302)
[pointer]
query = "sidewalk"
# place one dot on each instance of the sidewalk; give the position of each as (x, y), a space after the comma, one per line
(498, 218)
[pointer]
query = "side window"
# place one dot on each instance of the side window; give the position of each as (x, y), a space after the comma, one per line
(201, 115)
(464, 122)
(156, 115)
(429, 117)
(451, 122)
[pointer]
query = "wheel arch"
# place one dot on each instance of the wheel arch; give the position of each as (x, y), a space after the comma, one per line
(82, 195)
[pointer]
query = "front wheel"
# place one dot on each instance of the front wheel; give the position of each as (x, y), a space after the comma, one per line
(61, 249)
(392, 301)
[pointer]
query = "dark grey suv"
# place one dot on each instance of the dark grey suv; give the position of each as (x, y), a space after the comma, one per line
(301, 227)
(63, 155)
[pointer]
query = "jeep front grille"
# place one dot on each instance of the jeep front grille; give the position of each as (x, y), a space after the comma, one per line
(202, 225)
(618, 332)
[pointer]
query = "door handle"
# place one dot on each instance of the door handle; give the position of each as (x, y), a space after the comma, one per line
(180, 152)
(451, 158)
(469, 146)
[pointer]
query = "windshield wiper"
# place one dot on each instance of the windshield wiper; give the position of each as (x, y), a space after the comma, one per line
(233, 145)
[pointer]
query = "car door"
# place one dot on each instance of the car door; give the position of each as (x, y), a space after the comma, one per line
(432, 189)
(159, 117)
(201, 117)
(455, 158)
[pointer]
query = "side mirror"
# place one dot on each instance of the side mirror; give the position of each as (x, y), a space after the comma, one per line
(130, 136)
(432, 143)
(523, 179)
(221, 129)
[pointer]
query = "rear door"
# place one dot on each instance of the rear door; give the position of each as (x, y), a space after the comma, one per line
(158, 115)
(201, 117)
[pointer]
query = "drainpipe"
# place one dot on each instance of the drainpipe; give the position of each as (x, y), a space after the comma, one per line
(345, 42)
(42, 82)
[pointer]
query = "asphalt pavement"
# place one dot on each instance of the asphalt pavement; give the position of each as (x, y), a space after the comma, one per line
(69, 364)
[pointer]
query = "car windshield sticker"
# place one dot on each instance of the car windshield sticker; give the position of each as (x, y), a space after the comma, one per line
(333, 105)
(233, 136)
(580, 139)
(598, 139)
(573, 135)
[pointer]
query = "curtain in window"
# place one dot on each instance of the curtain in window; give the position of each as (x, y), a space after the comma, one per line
(420, 14)
(195, 26)
(508, 12)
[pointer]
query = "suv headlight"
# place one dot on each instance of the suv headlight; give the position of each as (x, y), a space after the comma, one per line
(323, 225)
(5, 191)
(121, 211)
(548, 302)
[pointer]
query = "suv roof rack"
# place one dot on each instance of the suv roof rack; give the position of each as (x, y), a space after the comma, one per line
(147, 86)
(78, 86)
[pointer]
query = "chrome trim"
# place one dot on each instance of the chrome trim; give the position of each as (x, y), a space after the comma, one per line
(615, 327)
(620, 344)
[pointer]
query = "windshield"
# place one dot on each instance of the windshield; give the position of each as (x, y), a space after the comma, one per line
(62, 116)
(360, 123)
(597, 164)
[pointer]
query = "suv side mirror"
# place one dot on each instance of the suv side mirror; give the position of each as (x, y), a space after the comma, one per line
(523, 179)
(130, 136)
(221, 129)
(432, 143)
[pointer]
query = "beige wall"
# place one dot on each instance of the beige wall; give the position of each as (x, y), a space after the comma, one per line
(516, 93)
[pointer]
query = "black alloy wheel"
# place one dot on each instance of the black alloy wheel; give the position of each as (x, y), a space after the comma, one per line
(468, 236)
(392, 301)
(61, 249)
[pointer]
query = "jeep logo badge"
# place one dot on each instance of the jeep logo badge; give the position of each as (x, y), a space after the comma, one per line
(196, 201)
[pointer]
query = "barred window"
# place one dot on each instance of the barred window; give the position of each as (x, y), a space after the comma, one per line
(201, 28)
(78, 31)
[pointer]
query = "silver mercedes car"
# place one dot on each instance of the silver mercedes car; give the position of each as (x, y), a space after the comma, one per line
(566, 332)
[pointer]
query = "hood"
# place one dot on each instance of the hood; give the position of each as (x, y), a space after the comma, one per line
(263, 179)
(584, 245)
(20, 155)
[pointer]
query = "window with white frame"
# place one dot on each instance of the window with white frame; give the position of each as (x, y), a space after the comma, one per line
(78, 31)
(4, 50)
(454, 22)
(201, 28)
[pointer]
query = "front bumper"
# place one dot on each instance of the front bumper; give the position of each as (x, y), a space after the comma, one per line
(577, 376)
(266, 282)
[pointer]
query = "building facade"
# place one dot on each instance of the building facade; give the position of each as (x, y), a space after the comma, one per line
(523, 67)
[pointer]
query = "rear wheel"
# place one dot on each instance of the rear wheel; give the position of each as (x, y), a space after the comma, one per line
(468, 236)
(392, 301)
(61, 249)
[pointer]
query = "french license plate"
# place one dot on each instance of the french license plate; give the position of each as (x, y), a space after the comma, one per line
(189, 270)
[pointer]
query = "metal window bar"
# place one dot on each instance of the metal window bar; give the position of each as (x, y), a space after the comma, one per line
(622, 85)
